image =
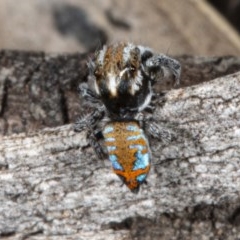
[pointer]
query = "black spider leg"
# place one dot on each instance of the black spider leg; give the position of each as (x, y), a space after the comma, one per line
(94, 135)
(156, 98)
(152, 128)
(94, 138)
(88, 94)
(90, 120)
(159, 131)
(157, 63)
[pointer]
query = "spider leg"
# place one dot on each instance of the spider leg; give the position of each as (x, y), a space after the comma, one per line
(157, 63)
(88, 94)
(93, 138)
(159, 132)
(89, 120)
(152, 128)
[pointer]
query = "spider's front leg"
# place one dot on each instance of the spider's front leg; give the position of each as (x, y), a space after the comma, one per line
(157, 63)
(88, 120)
(88, 94)
(91, 118)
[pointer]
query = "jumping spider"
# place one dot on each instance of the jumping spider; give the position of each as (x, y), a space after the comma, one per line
(119, 88)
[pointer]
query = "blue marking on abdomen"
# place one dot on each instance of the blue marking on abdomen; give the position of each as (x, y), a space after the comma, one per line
(136, 137)
(108, 129)
(132, 128)
(142, 161)
(115, 163)
(110, 139)
(137, 146)
(111, 148)
(141, 178)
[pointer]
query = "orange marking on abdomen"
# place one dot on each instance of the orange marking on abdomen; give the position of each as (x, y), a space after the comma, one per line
(125, 154)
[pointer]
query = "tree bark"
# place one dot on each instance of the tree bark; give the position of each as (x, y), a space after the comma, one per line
(53, 186)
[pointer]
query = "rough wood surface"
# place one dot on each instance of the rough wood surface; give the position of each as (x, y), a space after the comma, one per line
(53, 187)
(40, 90)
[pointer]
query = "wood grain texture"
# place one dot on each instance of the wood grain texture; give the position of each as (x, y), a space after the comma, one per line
(40, 90)
(53, 187)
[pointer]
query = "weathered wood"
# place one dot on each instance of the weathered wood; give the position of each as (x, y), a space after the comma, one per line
(40, 90)
(52, 186)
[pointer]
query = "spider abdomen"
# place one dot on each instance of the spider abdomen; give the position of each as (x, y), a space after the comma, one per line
(128, 152)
